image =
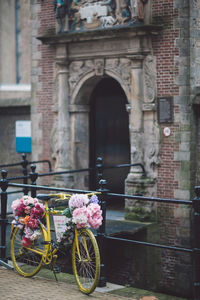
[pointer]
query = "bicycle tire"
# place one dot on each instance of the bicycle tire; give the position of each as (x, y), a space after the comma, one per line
(25, 261)
(86, 271)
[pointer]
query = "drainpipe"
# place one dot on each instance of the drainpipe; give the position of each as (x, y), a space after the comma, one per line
(17, 31)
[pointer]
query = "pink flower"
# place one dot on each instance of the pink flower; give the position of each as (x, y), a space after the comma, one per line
(27, 210)
(32, 223)
(35, 200)
(20, 210)
(26, 242)
(80, 216)
(78, 200)
(94, 215)
(37, 211)
(15, 204)
(28, 232)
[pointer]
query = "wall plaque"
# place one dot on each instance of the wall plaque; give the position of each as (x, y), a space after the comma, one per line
(165, 110)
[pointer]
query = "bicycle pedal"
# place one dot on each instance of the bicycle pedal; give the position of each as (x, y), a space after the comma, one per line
(57, 269)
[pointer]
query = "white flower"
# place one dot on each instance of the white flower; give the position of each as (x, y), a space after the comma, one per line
(78, 200)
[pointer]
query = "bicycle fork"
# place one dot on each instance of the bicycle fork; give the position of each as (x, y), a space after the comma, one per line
(78, 249)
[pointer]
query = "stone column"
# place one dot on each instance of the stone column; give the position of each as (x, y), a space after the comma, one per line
(63, 118)
(80, 142)
(62, 131)
(135, 123)
(136, 184)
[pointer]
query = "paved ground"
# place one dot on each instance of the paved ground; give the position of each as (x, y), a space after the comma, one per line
(14, 286)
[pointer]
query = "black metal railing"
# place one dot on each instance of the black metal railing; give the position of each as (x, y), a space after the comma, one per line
(98, 169)
(24, 164)
(33, 176)
(101, 234)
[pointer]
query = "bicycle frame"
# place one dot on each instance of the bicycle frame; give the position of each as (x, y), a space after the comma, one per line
(28, 258)
(48, 254)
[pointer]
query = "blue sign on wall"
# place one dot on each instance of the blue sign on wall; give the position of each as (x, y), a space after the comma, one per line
(23, 136)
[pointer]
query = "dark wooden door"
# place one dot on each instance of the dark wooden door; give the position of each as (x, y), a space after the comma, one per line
(109, 134)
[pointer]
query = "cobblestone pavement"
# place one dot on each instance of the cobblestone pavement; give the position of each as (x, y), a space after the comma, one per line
(15, 287)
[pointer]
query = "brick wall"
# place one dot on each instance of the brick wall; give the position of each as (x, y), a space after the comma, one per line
(165, 51)
(43, 21)
(172, 81)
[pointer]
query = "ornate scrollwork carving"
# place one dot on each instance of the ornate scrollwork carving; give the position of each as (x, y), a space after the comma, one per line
(149, 73)
(197, 3)
(77, 69)
(120, 67)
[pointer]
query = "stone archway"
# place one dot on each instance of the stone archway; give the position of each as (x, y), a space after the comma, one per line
(83, 77)
(80, 130)
(75, 82)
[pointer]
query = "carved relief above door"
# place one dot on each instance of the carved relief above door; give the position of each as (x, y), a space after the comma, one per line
(118, 68)
(82, 15)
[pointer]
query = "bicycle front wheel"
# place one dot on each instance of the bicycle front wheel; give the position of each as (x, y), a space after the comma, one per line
(86, 261)
(26, 261)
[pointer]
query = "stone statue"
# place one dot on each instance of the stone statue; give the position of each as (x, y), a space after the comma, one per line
(150, 80)
(123, 14)
(60, 8)
(75, 14)
(137, 9)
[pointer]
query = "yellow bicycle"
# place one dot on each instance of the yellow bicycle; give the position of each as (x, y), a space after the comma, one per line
(28, 260)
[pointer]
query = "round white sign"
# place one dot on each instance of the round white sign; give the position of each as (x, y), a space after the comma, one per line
(166, 131)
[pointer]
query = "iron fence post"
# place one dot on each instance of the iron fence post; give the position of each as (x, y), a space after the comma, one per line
(101, 231)
(24, 164)
(99, 169)
(196, 244)
(33, 176)
(3, 220)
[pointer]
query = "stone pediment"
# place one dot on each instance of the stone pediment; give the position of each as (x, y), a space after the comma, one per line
(128, 41)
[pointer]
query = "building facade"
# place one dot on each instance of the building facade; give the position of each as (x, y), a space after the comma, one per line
(15, 75)
(144, 72)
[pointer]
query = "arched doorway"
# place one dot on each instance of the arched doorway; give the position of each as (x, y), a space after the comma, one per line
(109, 134)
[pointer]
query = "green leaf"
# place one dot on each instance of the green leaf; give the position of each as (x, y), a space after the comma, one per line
(66, 212)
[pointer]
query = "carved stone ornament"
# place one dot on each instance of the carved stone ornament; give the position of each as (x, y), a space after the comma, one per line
(99, 67)
(80, 15)
(149, 79)
(197, 3)
(78, 69)
(121, 68)
(151, 158)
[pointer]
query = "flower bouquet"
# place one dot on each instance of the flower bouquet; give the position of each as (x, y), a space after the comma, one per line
(28, 213)
(82, 211)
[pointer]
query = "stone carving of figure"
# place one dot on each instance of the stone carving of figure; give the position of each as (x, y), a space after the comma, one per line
(75, 14)
(137, 9)
(150, 81)
(123, 14)
(60, 9)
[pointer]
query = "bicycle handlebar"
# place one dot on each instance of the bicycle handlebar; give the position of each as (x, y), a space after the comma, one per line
(60, 196)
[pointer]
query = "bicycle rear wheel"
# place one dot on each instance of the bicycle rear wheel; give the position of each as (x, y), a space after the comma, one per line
(86, 261)
(27, 261)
